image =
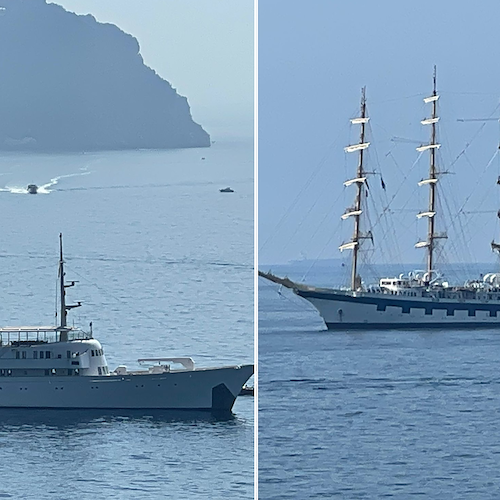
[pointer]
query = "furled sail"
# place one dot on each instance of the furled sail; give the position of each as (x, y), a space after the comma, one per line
(356, 147)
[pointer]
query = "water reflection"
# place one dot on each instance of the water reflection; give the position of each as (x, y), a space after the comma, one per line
(71, 418)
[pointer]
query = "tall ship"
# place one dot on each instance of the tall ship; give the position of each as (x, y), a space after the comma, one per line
(420, 299)
(65, 367)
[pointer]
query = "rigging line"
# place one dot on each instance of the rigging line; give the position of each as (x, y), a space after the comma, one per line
(399, 188)
(337, 228)
(446, 208)
(468, 93)
(478, 131)
(304, 216)
(307, 184)
(479, 181)
(389, 220)
(318, 257)
(395, 99)
(106, 293)
(264, 282)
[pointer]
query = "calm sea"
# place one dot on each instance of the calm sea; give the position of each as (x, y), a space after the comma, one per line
(373, 414)
(164, 264)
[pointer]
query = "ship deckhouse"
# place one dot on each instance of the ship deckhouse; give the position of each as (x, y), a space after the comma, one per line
(39, 352)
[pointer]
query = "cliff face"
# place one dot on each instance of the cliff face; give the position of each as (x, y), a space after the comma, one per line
(69, 83)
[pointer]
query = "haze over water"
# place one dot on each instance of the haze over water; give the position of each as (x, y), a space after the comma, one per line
(165, 267)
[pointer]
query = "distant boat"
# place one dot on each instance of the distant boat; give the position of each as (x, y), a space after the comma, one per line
(32, 189)
(226, 190)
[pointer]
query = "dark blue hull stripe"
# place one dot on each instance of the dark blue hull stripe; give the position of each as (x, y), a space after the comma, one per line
(409, 326)
(406, 304)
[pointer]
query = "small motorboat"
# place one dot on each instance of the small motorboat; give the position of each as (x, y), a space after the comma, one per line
(226, 190)
(32, 189)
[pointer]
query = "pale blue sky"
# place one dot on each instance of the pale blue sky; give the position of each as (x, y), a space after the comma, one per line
(314, 57)
(203, 48)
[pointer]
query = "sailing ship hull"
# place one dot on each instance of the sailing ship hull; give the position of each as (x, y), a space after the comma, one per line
(362, 310)
(211, 389)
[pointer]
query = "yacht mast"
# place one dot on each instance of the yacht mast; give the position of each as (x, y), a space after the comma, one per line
(360, 180)
(431, 182)
(64, 308)
(61, 283)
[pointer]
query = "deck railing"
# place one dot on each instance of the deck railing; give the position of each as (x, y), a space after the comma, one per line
(23, 335)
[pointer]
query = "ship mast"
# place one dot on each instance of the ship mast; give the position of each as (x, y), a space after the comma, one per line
(359, 181)
(431, 182)
(64, 308)
(61, 284)
(495, 247)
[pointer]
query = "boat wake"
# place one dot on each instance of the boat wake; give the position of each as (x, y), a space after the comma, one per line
(44, 188)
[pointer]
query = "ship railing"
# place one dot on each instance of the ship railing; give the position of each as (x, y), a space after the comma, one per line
(25, 334)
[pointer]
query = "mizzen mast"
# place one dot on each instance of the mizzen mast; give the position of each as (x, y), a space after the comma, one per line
(431, 182)
(359, 181)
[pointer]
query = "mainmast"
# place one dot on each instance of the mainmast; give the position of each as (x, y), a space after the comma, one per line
(431, 182)
(359, 181)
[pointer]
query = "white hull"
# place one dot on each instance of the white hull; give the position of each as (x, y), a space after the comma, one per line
(343, 310)
(202, 389)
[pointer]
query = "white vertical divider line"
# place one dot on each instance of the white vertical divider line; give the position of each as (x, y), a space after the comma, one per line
(256, 246)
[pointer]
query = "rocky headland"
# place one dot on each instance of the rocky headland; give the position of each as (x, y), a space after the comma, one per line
(70, 83)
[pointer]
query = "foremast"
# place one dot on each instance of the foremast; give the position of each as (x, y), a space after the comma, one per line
(360, 181)
(431, 181)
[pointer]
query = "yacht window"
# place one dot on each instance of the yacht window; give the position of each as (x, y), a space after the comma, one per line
(9, 373)
(41, 354)
(24, 355)
(68, 354)
(35, 354)
(47, 354)
(59, 356)
(46, 372)
(18, 355)
(2, 373)
(92, 352)
(99, 370)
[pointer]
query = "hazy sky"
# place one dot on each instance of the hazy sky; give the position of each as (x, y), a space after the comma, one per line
(314, 57)
(204, 49)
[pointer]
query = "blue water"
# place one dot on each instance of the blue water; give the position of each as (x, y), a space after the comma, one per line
(373, 414)
(165, 267)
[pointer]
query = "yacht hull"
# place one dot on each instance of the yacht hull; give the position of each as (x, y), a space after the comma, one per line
(211, 389)
(362, 310)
